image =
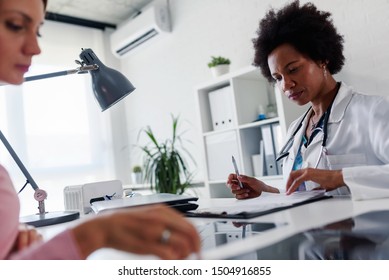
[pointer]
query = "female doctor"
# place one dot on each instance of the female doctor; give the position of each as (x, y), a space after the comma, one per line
(341, 144)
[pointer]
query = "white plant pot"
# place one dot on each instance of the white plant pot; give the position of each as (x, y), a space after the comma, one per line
(220, 70)
(136, 178)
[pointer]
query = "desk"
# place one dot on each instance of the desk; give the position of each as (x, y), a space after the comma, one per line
(288, 223)
(294, 221)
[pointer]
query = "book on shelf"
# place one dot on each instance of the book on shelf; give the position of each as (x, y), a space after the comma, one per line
(269, 151)
(222, 109)
(258, 161)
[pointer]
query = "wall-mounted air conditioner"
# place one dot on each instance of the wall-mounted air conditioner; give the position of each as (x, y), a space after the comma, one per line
(152, 22)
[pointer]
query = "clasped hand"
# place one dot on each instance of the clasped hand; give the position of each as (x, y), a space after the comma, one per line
(155, 230)
(27, 236)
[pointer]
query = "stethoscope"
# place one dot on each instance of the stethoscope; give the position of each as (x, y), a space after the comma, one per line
(284, 152)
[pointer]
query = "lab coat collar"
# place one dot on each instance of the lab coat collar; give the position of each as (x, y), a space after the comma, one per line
(339, 107)
(342, 100)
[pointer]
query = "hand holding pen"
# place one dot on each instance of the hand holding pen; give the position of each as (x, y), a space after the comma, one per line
(244, 187)
(237, 172)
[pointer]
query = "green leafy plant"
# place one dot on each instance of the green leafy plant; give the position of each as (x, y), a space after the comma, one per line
(218, 60)
(137, 169)
(165, 166)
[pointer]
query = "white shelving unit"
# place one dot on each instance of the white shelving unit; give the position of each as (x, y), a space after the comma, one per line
(249, 90)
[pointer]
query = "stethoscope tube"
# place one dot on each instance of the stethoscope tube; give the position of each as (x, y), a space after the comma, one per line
(284, 152)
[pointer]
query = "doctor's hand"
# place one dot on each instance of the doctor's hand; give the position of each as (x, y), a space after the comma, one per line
(252, 187)
(327, 179)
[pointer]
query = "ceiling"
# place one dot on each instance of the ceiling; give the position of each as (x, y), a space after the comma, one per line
(94, 13)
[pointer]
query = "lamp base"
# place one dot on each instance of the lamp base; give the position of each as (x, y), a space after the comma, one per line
(50, 218)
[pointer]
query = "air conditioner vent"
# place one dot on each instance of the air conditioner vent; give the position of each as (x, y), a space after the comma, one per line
(131, 45)
(153, 22)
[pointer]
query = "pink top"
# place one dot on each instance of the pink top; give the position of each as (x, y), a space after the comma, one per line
(62, 246)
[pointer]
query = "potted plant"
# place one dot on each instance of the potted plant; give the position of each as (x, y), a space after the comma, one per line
(219, 65)
(136, 174)
(165, 166)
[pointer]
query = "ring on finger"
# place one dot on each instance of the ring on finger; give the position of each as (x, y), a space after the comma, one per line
(165, 236)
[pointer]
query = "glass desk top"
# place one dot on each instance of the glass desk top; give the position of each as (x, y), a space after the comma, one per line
(361, 237)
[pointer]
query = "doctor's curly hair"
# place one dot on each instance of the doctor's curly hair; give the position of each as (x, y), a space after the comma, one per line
(310, 31)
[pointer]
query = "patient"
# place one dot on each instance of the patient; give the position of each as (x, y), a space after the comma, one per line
(167, 234)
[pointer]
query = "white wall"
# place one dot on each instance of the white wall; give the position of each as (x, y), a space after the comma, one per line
(166, 73)
(61, 45)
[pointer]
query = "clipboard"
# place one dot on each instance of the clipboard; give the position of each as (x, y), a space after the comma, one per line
(181, 203)
(306, 198)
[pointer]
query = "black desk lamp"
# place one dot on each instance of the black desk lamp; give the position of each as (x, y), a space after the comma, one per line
(109, 87)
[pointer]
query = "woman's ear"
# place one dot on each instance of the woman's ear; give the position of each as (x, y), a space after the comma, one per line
(323, 64)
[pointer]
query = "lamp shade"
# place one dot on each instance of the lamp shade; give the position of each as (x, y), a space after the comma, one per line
(109, 85)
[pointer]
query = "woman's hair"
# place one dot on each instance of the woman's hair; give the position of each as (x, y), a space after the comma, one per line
(310, 31)
(45, 4)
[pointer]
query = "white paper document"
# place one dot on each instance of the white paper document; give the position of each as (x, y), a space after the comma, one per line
(264, 204)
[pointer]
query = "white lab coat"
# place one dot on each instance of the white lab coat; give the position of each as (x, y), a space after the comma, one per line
(357, 143)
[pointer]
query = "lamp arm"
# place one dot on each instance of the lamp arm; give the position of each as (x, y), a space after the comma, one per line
(18, 161)
(79, 70)
(39, 194)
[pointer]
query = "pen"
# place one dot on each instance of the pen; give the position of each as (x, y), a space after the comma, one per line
(237, 171)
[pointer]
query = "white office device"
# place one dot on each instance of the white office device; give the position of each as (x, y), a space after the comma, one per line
(79, 197)
(152, 22)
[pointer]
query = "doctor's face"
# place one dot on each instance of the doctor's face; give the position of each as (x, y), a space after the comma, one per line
(300, 78)
(20, 21)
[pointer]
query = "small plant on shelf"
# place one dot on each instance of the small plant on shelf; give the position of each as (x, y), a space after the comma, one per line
(136, 174)
(218, 60)
(219, 65)
(137, 169)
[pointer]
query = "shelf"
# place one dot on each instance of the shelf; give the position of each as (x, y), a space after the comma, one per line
(214, 132)
(244, 126)
(249, 72)
(262, 178)
(259, 123)
(268, 178)
(219, 181)
(241, 95)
